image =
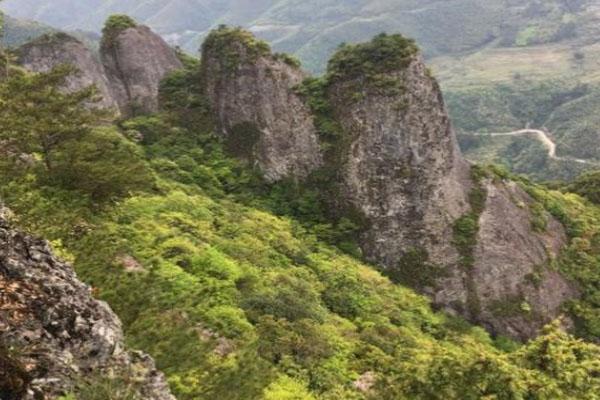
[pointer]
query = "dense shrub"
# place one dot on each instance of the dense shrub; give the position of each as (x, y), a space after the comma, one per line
(115, 24)
(383, 54)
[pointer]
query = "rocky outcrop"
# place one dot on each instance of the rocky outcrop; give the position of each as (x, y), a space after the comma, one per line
(54, 336)
(517, 291)
(136, 60)
(402, 167)
(436, 223)
(256, 107)
(52, 50)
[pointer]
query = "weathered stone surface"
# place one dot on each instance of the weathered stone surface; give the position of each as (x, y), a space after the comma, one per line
(517, 290)
(256, 107)
(136, 61)
(59, 334)
(404, 171)
(52, 50)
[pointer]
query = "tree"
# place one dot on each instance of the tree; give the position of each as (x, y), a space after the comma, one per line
(38, 117)
(64, 137)
(104, 165)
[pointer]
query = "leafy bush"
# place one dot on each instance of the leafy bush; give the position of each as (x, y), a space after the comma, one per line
(54, 130)
(385, 53)
(114, 25)
(103, 165)
(588, 186)
(224, 43)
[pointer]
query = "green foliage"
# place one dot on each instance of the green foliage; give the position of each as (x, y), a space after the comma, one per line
(180, 94)
(314, 91)
(588, 186)
(55, 132)
(114, 25)
(510, 307)
(103, 388)
(539, 218)
(288, 59)
(229, 295)
(384, 54)
(415, 271)
(242, 139)
(286, 388)
(104, 165)
(227, 45)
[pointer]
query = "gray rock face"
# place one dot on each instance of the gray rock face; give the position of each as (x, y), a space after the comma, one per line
(403, 170)
(510, 287)
(257, 109)
(135, 62)
(50, 51)
(59, 335)
(517, 290)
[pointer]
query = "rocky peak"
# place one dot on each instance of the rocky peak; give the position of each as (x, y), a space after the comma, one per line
(54, 336)
(51, 50)
(255, 104)
(401, 166)
(136, 60)
(435, 222)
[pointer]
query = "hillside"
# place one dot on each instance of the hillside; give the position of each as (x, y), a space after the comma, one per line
(245, 274)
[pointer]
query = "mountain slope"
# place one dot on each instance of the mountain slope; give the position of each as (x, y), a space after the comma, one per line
(54, 337)
(245, 289)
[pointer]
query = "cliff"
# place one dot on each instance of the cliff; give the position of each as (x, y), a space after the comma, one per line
(133, 60)
(136, 60)
(51, 50)
(55, 337)
(459, 233)
(452, 230)
(256, 107)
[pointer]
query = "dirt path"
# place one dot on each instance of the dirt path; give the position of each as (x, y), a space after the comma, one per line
(542, 137)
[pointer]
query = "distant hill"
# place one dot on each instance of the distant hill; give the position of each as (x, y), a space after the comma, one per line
(17, 32)
(314, 28)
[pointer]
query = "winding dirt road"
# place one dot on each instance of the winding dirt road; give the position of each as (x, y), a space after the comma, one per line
(546, 142)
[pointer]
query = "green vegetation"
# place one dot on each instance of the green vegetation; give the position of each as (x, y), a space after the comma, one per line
(588, 186)
(466, 229)
(511, 307)
(103, 388)
(415, 271)
(288, 59)
(372, 62)
(52, 136)
(115, 24)
(239, 297)
(227, 43)
(539, 218)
